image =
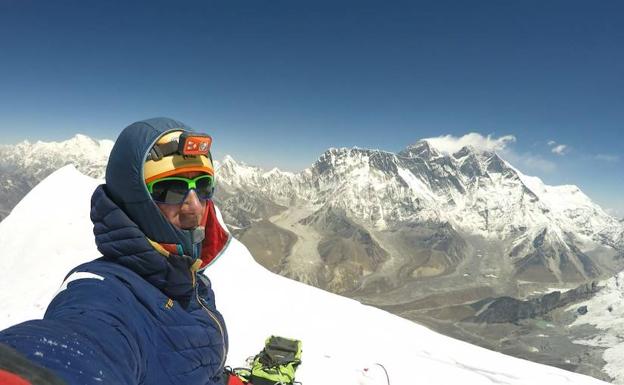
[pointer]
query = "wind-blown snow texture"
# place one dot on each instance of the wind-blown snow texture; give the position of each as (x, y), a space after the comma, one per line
(606, 312)
(50, 232)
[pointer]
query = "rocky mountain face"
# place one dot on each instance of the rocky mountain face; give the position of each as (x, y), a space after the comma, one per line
(418, 214)
(370, 222)
(24, 165)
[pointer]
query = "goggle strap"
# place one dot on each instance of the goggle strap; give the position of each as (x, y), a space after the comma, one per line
(161, 150)
(187, 180)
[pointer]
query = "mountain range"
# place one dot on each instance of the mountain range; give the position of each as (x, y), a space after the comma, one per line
(24, 165)
(458, 241)
(369, 222)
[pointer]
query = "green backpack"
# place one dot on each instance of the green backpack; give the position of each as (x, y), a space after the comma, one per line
(277, 362)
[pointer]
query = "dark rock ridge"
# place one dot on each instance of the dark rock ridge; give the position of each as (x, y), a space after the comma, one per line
(508, 309)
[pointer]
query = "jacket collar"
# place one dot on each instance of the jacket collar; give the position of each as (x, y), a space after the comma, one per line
(120, 240)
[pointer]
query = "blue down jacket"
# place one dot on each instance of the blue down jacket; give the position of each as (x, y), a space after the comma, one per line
(137, 315)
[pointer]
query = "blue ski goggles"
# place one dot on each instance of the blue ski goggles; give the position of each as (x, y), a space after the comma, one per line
(174, 189)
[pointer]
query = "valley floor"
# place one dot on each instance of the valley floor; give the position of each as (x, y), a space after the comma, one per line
(442, 303)
(545, 340)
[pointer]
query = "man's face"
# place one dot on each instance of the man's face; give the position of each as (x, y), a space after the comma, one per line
(189, 213)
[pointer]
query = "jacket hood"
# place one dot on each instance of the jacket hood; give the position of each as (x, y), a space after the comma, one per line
(125, 183)
(130, 229)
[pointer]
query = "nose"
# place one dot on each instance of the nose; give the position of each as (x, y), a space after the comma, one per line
(191, 204)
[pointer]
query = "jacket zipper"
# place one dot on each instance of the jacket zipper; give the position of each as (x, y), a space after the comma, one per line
(211, 314)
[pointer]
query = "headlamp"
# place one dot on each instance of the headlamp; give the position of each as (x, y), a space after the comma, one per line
(193, 144)
(187, 144)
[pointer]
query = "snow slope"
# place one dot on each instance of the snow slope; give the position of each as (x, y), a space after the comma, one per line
(605, 311)
(49, 232)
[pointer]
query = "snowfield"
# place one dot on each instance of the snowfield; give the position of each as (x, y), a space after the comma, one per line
(605, 311)
(49, 232)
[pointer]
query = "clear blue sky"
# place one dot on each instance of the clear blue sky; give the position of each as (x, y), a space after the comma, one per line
(278, 82)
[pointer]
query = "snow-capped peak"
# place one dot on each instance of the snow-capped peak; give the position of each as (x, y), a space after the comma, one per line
(273, 171)
(461, 188)
(228, 159)
(422, 149)
(464, 152)
(25, 164)
(87, 154)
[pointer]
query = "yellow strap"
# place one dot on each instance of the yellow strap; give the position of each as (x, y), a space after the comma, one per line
(196, 265)
(159, 248)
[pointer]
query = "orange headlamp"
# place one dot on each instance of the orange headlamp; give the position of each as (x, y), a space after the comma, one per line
(194, 144)
(187, 144)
